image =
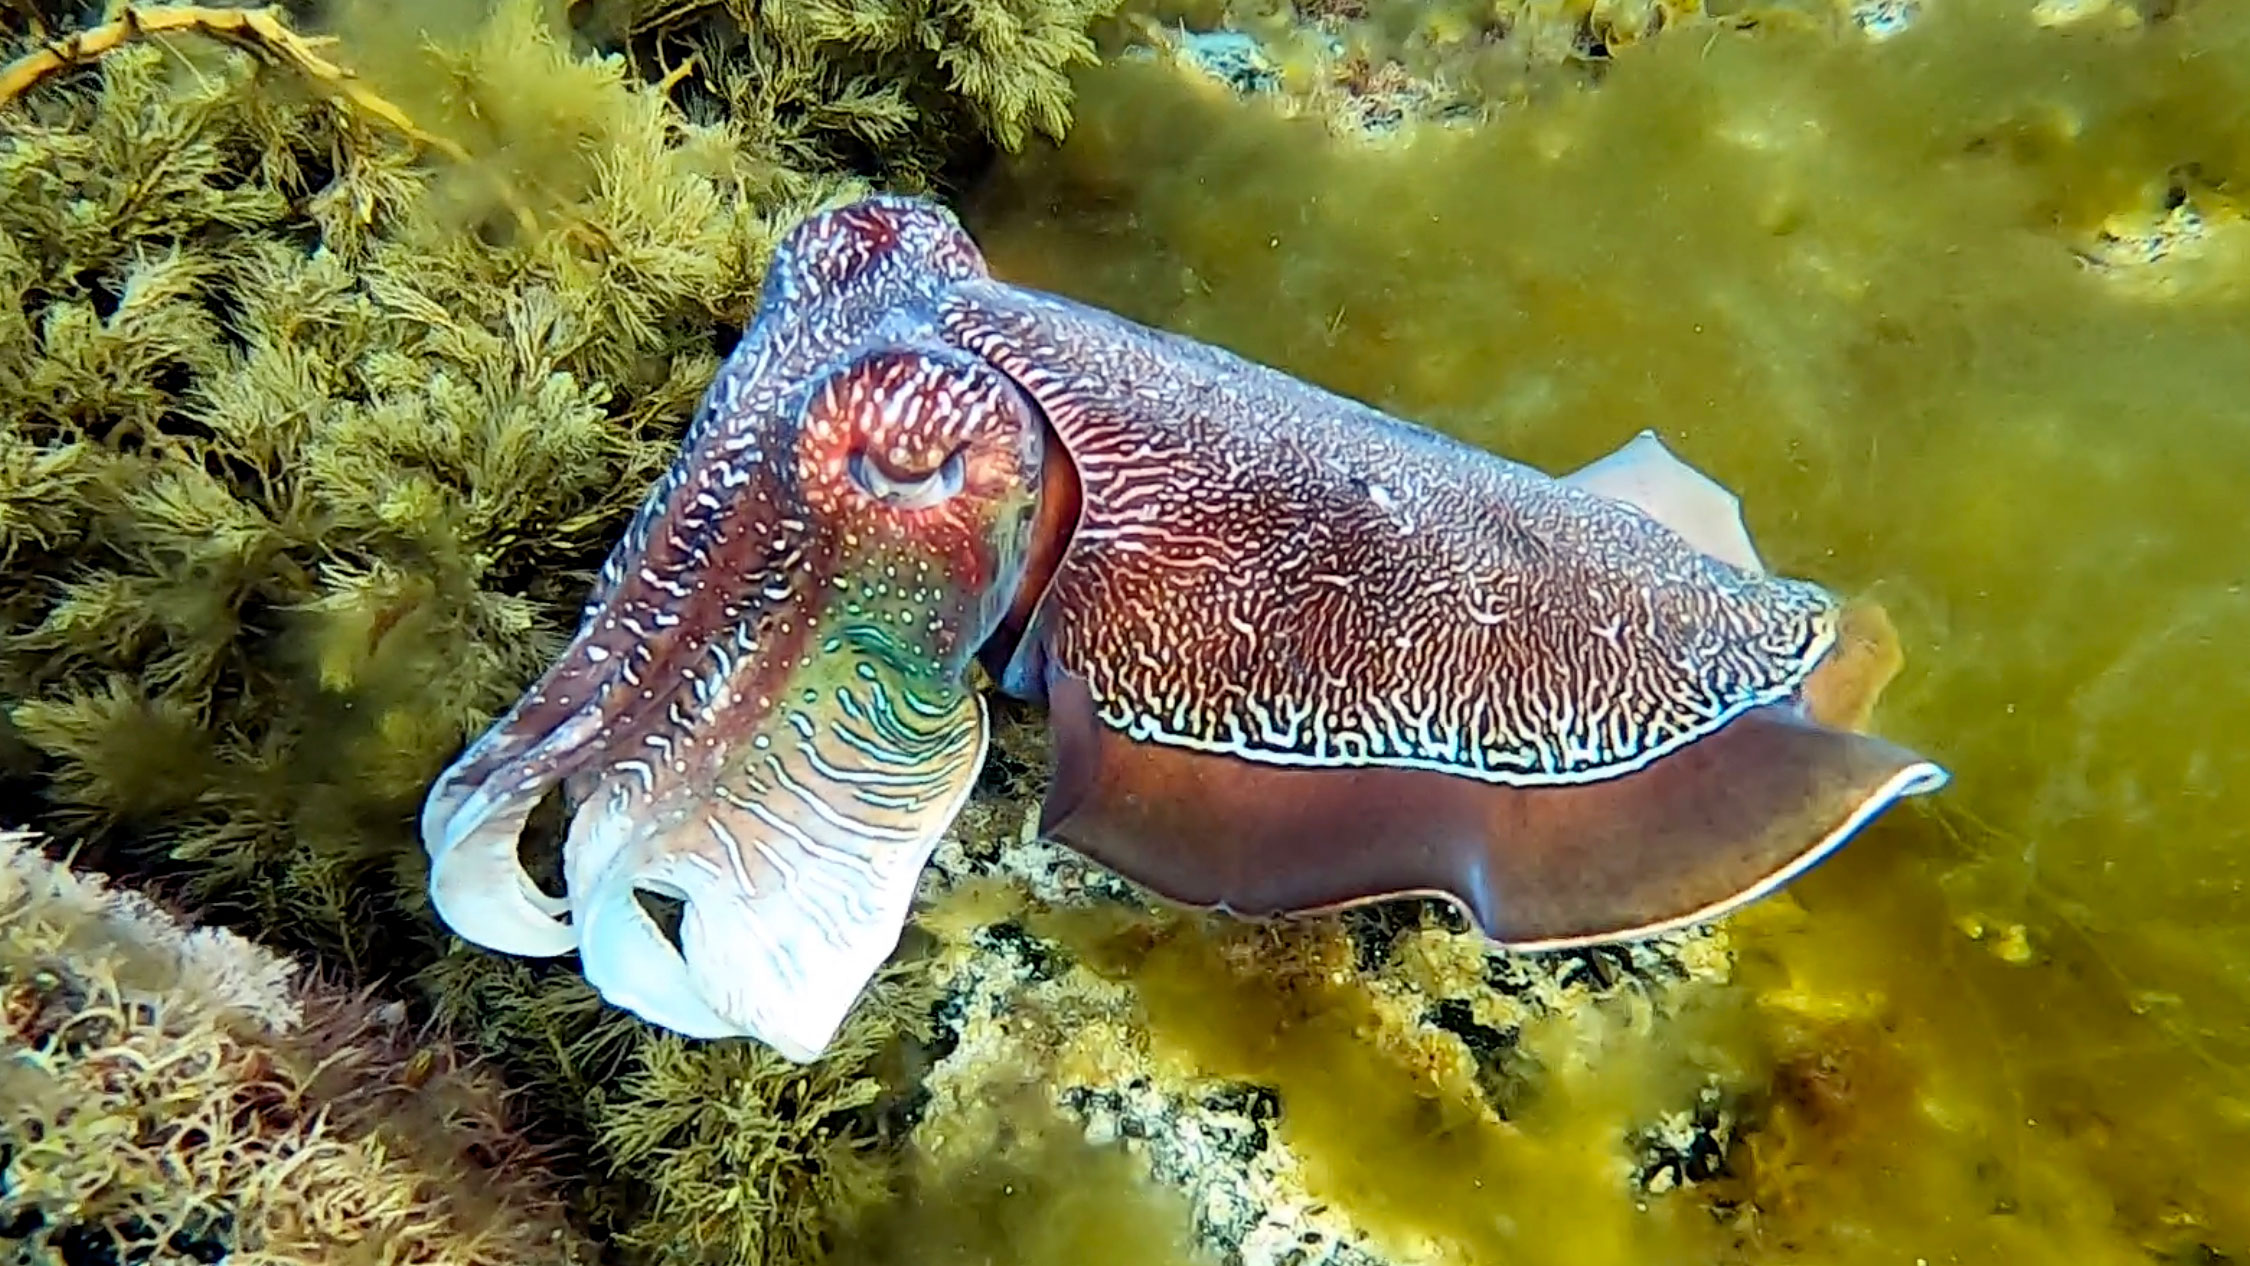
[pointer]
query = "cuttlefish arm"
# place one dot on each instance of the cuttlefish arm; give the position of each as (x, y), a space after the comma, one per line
(1302, 655)
(763, 714)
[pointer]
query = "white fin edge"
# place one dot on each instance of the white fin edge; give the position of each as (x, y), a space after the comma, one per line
(1917, 778)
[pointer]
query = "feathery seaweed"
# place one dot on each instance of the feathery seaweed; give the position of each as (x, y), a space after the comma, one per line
(314, 427)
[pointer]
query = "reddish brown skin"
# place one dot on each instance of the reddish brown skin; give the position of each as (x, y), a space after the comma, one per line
(1544, 865)
(1298, 653)
(1531, 866)
(1051, 529)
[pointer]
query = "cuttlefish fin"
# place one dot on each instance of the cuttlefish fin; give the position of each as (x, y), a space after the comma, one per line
(1842, 690)
(1643, 473)
(1689, 837)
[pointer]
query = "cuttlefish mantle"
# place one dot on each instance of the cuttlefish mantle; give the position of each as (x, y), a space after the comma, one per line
(1298, 655)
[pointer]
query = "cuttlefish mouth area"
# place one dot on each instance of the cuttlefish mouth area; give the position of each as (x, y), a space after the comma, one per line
(763, 715)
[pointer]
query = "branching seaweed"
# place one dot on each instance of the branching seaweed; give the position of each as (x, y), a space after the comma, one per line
(260, 30)
(754, 1158)
(309, 447)
(334, 467)
(896, 86)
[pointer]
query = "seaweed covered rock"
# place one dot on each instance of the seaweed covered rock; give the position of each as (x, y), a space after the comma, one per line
(1369, 68)
(172, 1094)
(1336, 1091)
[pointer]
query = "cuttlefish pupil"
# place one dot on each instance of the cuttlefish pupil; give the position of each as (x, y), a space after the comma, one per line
(1297, 655)
(905, 487)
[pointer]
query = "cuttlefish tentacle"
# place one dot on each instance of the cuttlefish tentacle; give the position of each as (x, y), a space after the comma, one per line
(764, 713)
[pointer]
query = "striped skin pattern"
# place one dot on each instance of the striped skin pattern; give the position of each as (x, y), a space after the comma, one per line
(763, 713)
(1267, 570)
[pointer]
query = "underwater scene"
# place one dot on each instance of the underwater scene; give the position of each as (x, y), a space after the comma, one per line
(1173, 632)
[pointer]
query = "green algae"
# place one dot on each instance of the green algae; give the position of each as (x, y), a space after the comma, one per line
(707, 1122)
(1041, 1194)
(1917, 301)
(1449, 1106)
(312, 433)
(1386, 1128)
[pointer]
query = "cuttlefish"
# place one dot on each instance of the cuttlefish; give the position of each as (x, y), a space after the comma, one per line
(1296, 654)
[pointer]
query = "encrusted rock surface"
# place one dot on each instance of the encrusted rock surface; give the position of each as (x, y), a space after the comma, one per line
(1021, 922)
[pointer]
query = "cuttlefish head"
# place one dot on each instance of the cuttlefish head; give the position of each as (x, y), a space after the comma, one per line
(763, 714)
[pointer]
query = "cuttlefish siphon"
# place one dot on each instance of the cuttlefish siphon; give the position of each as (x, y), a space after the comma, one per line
(1297, 655)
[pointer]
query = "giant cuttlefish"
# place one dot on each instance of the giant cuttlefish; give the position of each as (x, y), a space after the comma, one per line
(1297, 654)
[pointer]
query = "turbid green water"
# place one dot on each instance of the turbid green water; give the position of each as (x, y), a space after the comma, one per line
(1851, 280)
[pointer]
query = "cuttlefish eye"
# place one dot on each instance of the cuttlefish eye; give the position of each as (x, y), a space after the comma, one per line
(908, 489)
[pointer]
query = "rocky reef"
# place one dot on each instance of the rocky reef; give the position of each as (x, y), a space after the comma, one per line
(329, 371)
(1330, 1092)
